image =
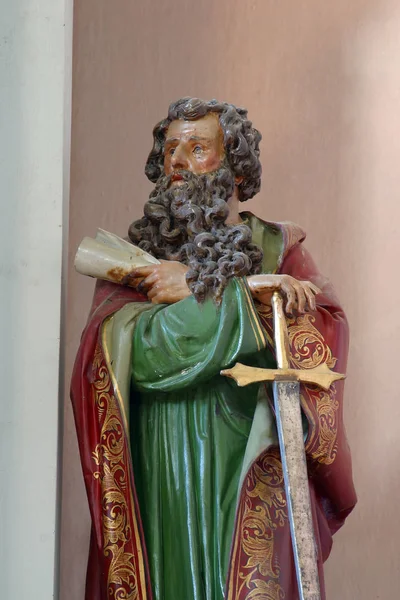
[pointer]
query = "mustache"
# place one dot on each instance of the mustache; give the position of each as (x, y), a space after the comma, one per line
(184, 175)
(223, 178)
(164, 181)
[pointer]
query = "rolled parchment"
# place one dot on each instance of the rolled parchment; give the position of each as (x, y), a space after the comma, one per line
(110, 257)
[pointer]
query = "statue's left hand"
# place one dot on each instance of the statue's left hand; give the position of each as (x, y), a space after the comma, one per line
(164, 283)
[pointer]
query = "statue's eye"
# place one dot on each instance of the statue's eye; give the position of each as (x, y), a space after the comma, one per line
(171, 151)
(197, 150)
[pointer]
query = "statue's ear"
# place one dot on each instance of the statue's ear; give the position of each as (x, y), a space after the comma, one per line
(238, 180)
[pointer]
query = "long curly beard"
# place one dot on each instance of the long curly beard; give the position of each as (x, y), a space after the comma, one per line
(187, 223)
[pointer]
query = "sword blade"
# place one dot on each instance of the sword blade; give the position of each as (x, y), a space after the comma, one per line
(291, 442)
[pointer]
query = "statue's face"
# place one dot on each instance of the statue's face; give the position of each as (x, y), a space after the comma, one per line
(195, 146)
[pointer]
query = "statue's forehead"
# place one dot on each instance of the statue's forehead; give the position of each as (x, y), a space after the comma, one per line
(206, 127)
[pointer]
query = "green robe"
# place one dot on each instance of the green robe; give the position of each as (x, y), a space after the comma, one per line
(191, 428)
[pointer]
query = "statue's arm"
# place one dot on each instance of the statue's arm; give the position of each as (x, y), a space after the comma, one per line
(187, 343)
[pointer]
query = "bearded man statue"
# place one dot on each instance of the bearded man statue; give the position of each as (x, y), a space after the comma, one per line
(183, 506)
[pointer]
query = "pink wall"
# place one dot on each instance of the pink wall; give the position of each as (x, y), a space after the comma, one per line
(321, 81)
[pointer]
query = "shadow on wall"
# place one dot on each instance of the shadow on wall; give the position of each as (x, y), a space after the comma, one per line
(298, 68)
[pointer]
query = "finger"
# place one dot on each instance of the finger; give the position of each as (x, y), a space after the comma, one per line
(136, 275)
(160, 298)
(288, 290)
(133, 282)
(301, 298)
(153, 292)
(143, 271)
(149, 282)
(315, 289)
(310, 297)
(130, 280)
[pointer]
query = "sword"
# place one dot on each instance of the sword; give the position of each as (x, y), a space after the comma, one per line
(286, 389)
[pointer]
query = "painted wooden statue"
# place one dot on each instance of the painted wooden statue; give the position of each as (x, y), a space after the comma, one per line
(185, 484)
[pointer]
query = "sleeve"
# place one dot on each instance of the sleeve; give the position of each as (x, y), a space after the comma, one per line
(188, 343)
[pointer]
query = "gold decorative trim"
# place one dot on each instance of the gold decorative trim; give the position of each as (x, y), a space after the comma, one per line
(308, 347)
(263, 512)
(322, 447)
(126, 571)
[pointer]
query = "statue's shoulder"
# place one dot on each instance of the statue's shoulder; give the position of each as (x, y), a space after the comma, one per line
(291, 233)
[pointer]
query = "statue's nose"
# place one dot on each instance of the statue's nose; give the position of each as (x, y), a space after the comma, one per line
(179, 160)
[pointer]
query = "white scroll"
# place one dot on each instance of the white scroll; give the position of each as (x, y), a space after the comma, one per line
(109, 257)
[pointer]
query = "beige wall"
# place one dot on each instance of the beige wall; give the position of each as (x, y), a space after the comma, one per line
(321, 80)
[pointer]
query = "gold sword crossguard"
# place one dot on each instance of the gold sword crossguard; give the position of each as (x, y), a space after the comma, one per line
(291, 442)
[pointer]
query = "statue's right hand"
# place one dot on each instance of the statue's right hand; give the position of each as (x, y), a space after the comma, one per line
(164, 283)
